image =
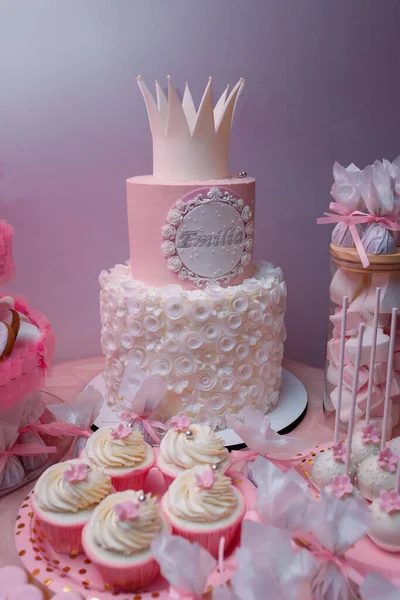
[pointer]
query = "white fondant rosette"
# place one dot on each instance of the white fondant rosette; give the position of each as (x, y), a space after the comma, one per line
(233, 323)
(168, 248)
(200, 311)
(206, 380)
(139, 356)
(185, 365)
(174, 308)
(168, 231)
(192, 340)
(160, 364)
(171, 346)
(210, 332)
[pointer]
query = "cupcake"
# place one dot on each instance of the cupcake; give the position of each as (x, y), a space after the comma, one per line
(202, 506)
(118, 537)
(185, 445)
(123, 454)
(63, 500)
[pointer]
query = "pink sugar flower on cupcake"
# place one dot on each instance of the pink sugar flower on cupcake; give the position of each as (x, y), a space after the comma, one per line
(64, 498)
(118, 537)
(202, 506)
(123, 454)
(186, 445)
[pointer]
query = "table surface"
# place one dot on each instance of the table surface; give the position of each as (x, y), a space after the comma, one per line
(70, 378)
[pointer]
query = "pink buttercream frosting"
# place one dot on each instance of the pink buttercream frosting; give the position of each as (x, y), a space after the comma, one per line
(23, 371)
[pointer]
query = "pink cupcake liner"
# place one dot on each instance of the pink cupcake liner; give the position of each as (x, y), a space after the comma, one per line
(209, 539)
(62, 537)
(132, 577)
(134, 480)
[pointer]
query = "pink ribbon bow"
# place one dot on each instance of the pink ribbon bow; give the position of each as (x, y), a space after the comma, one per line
(356, 217)
(147, 423)
(323, 555)
(57, 429)
(239, 456)
(25, 450)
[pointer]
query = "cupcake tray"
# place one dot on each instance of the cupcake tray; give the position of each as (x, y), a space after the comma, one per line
(364, 556)
(61, 572)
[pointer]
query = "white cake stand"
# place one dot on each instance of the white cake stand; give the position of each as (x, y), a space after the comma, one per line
(286, 416)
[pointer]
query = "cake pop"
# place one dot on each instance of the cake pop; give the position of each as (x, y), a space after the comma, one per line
(378, 472)
(385, 518)
(332, 463)
(366, 439)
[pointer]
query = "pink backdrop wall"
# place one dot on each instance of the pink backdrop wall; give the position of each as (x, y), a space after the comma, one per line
(322, 84)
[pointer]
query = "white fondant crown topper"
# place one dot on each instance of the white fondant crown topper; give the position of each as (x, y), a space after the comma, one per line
(189, 144)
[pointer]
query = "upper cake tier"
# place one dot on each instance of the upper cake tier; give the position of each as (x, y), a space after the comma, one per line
(190, 223)
(191, 234)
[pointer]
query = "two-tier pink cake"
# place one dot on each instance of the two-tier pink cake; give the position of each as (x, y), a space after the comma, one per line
(191, 306)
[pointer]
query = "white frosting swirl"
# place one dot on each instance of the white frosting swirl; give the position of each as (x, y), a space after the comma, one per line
(104, 451)
(201, 505)
(202, 448)
(55, 493)
(126, 536)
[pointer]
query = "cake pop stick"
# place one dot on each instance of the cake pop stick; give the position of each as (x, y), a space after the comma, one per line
(389, 378)
(373, 354)
(341, 365)
(354, 397)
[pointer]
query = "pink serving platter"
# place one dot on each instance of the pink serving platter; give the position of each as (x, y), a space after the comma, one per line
(59, 572)
(365, 556)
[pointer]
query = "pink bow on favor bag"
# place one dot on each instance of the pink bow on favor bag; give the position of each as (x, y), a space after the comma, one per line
(25, 450)
(254, 428)
(184, 565)
(141, 395)
(336, 524)
(57, 429)
(148, 424)
(357, 217)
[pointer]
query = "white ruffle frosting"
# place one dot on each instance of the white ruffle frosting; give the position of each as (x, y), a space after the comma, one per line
(219, 349)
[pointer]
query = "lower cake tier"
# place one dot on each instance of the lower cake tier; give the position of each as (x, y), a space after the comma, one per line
(218, 349)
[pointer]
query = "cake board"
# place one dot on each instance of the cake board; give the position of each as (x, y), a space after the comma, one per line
(289, 412)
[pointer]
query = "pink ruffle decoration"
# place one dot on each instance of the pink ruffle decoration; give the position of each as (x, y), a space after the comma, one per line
(23, 371)
(7, 268)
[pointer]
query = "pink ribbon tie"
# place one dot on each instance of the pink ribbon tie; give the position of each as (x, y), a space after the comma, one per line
(148, 425)
(351, 219)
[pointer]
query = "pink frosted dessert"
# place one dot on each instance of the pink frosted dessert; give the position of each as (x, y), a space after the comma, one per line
(192, 306)
(385, 521)
(202, 506)
(64, 498)
(118, 537)
(187, 445)
(123, 454)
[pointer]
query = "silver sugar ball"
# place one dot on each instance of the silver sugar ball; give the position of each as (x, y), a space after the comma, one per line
(242, 174)
(189, 433)
(214, 467)
(141, 498)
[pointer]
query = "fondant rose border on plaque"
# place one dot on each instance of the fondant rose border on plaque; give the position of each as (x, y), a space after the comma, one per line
(237, 240)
